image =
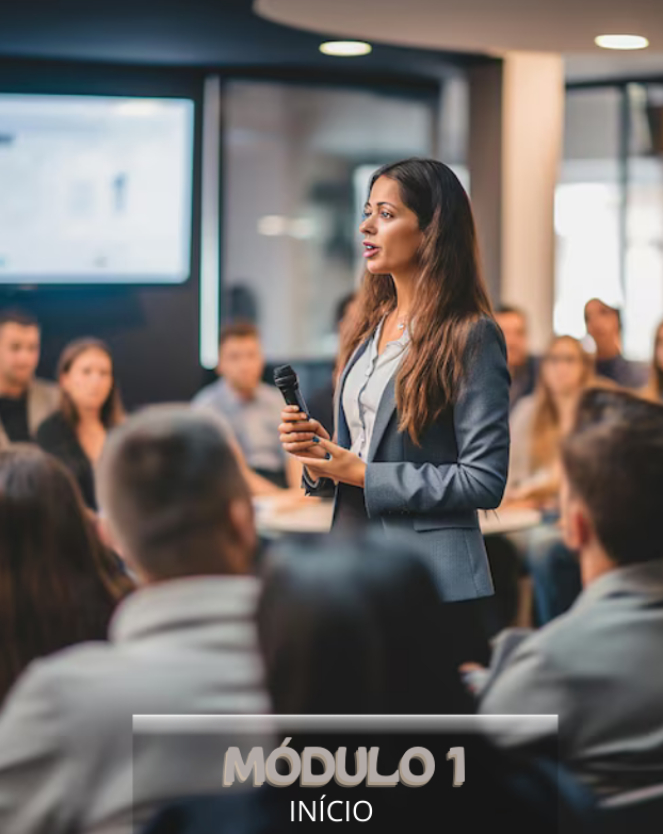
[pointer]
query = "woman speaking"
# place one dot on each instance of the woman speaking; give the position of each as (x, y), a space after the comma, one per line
(422, 403)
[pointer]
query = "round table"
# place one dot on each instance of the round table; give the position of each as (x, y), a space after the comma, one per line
(314, 515)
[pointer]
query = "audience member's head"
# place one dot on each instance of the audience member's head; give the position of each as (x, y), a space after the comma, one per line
(613, 481)
(241, 360)
(355, 626)
(604, 325)
(86, 377)
(513, 323)
(566, 370)
(19, 351)
(175, 501)
(654, 389)
(58, 584)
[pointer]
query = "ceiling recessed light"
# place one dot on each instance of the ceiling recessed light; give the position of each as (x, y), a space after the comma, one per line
(345, 49)
(621, 42)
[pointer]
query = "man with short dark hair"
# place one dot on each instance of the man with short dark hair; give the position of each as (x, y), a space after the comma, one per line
(599, 665)
(523, 367)
(25, 402)
(179, 512)
(251, 407)
(604, 325)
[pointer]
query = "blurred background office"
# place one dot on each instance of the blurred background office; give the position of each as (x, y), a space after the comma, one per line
(172, 172)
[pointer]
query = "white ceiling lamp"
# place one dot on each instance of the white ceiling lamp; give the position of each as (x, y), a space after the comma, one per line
(345, 49)
(621, 42)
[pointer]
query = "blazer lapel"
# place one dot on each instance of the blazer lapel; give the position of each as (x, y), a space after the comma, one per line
(340, 423)
(386, 408)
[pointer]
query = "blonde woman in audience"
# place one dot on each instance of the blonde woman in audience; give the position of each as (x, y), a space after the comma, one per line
(654, 389)
(538, 424)
(89, 408)
(541, 420)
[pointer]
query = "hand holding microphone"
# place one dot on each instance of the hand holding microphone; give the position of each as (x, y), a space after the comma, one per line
(297, 430)
(308, 440)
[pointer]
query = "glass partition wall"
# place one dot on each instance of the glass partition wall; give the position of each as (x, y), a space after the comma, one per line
(297, 162)
(609, 210)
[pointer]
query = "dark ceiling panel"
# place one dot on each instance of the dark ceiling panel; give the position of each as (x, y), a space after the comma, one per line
(186, 33)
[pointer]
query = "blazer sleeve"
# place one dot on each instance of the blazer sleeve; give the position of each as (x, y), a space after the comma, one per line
(36, 778)
(530, 683)
(481, 426)
(322, 488)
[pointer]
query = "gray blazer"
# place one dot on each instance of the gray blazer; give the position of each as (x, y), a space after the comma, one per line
(43, 399)
(68, 759)
(427, 496)
(599, 668)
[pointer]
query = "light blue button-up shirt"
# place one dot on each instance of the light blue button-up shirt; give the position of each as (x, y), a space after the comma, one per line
(254, 422)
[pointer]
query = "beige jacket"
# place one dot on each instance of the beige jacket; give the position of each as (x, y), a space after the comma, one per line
(43, 399)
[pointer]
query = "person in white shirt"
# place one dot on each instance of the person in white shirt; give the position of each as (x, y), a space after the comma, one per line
(179, 512)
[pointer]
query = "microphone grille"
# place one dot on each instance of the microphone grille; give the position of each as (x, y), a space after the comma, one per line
(284, 372)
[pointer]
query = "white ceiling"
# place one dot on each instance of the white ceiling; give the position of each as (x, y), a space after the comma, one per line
(491, 27)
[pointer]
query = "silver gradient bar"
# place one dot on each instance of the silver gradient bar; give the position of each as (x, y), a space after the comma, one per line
(516, 725)
(210, 223)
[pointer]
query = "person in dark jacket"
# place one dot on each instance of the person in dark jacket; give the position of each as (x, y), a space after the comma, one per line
(90, 406)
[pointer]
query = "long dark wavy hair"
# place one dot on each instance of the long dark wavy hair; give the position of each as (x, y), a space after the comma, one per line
(356, 626)
(112, 411)
(58, 583)
(450, 293)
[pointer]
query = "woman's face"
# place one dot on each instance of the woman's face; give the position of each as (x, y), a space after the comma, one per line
(563, 368)
(89, 380)
(659, 349)
(391, 231)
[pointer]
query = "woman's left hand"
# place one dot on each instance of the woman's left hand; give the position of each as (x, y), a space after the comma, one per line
(343, 466)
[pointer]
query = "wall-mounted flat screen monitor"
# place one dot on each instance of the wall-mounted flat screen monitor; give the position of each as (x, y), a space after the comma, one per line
(95, 189)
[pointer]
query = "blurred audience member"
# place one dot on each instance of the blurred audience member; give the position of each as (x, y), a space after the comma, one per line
(356, 627)
(344, 310)
(25, 401)
(183, 643)
(538, 425)
(321, 403)
(523, 367)
(599, 666)
(90, 406)
(654, 389)
(252, 407)
(59, 584)
(540, 420)
(604, 325)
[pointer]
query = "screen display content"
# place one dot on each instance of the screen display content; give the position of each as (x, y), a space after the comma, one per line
(95, 189)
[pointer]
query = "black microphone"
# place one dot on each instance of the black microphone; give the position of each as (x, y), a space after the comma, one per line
(286, 381)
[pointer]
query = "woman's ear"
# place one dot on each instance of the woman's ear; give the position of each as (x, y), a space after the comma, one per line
(573, 519)
(578, 530)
